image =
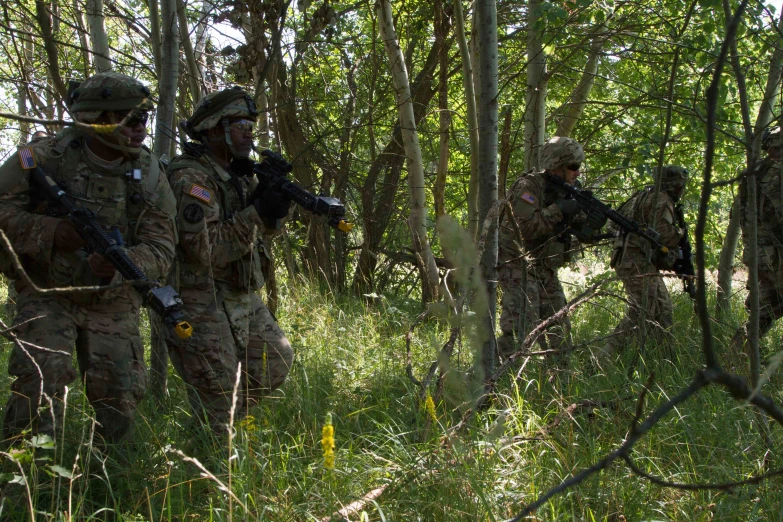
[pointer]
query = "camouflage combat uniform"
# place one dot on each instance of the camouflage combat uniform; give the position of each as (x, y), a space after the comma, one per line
(769, 193)
(630, 261)
(102, 326)
(527, 273)
(532, 296)
(220, 264)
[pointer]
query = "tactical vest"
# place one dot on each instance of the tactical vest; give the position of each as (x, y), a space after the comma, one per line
(117, 197)
(244, 274)
(632, 209)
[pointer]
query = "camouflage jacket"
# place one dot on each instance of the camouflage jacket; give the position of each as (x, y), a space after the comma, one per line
(141, 206)
(642, 207)
(544, 228)
(769, 197)
(221, 234)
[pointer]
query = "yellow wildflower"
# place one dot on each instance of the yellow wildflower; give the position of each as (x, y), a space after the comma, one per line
(429, 405)
(327, 442)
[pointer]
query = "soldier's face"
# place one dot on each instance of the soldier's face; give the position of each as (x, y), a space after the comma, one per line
(568, 173)
(135, 129)
(241, 130)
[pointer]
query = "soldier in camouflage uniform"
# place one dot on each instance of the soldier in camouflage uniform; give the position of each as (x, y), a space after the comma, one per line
(122, 182)
(548, 222)
(769, 194)
(222, 219)
(639, 268)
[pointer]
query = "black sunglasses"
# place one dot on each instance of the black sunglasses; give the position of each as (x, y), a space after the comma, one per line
(137, 118)
(574, 166)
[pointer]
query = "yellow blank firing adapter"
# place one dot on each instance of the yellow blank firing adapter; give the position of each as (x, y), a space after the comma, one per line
(664, 250)
(183, 330)
(344, 226)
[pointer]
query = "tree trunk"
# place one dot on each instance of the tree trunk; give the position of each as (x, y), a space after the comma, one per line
(444, 116)
(155, 36)
(162, 146)
(81, 28)
(580, 95)
(472, 122)
(194, 73)
(535, 98)
(488, 169)
(52, 62)
(416, 183)
(383, 177)
(100, 40)
(505, 152)
(344, 169)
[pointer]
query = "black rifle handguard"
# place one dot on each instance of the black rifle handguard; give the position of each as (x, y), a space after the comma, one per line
(590, 203)
(272, 172)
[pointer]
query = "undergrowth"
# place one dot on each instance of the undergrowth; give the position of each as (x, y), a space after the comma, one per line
(350, 365)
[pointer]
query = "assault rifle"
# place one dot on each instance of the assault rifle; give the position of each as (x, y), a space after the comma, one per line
(590, 204)
(163, 300)
(272, 173)
(684, 263)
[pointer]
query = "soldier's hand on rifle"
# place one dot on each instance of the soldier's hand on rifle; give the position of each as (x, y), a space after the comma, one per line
(66, 238)
(568, 207)
(596, 220)
(272, 205)
(100, 266)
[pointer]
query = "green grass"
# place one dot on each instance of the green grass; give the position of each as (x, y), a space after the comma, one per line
(351, 363)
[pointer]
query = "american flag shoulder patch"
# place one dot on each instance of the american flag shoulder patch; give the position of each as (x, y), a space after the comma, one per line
(199, 192)
(27, 158)
(529, 198)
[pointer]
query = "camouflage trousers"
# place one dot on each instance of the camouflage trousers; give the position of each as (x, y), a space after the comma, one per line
(657, 307)
(229, 328)
(770, 303)
(109, 352)
(526, 306)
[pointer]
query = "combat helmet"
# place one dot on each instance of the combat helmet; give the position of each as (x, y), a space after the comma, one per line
(216, 108)
(673, 180)
(772, 137)
(108, 91)
(560, 151)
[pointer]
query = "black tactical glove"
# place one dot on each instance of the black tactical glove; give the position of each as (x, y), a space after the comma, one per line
(242, 167)
(596, 221)
(272, 205)
(568, 207)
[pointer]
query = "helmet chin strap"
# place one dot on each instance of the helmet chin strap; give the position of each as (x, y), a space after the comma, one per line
(230, 144)
(127, 152)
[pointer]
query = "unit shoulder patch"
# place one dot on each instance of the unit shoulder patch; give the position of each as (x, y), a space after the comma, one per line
(528, 197)
(201, 193)
(27, 158)
(193, 213)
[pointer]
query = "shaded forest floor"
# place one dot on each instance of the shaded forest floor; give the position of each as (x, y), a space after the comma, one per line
(351, 364)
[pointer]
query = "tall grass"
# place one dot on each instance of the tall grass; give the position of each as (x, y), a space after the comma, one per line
(350, 364)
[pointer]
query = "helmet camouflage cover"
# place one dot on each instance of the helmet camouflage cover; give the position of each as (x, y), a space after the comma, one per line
(559, 151)
(772, 137)
(228, 103)
(108, 91)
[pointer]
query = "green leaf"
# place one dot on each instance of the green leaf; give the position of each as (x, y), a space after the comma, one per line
(42, 441)
(61, 471)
